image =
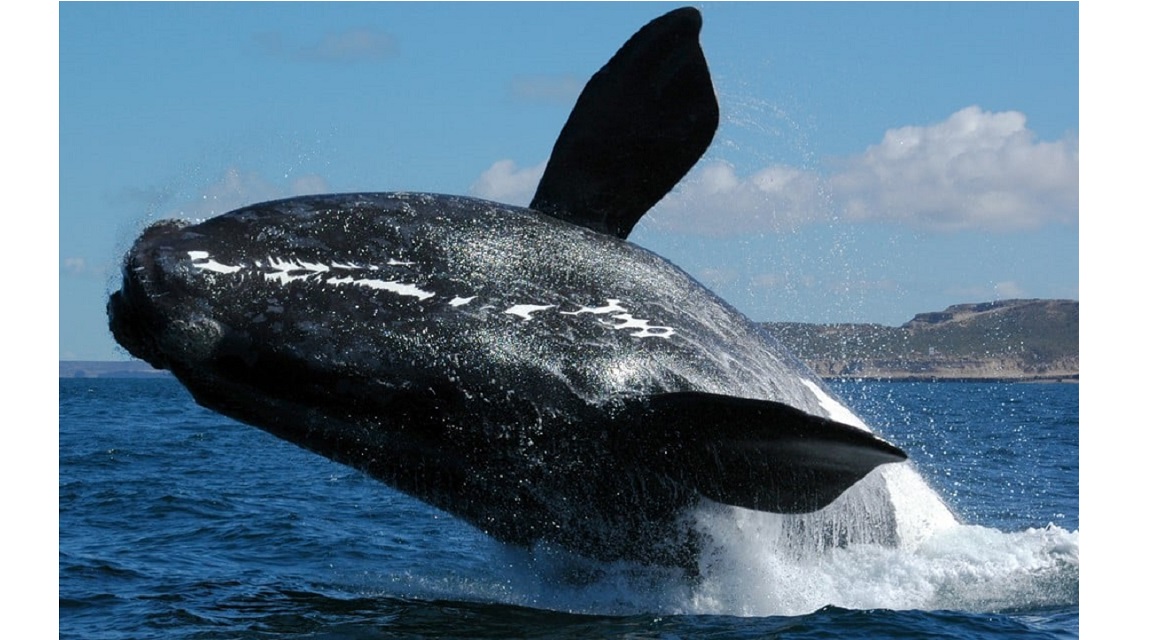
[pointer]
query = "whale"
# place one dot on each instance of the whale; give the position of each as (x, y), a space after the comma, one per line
(526, 369)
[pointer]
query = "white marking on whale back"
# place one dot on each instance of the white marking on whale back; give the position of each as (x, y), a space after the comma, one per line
(394, 287)
(613, 306)
(525, 311)
(315, 267)
(645, 329)
(210, 265)
(626, 320)
(287, 270)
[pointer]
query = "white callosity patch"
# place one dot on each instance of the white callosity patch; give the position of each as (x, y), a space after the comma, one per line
(626, 320)
(202, 260)
(285, 271)
(646, 330)
(613, 306)
(459, 302)
(350, 266)
(525, 311)
(385, 285)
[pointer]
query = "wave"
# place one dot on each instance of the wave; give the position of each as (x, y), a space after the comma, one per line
(965, 568)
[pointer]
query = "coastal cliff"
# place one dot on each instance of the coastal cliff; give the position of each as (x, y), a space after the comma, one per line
(1014, 340)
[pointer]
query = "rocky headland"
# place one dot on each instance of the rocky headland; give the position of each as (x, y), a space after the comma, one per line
(1016, 340)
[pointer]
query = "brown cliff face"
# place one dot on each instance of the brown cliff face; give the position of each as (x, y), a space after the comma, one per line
(1002, 340)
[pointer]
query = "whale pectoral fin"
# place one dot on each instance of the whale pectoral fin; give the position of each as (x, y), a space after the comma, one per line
(758, 454)
(641, 123)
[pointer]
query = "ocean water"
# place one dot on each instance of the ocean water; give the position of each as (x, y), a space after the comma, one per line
(178, 523)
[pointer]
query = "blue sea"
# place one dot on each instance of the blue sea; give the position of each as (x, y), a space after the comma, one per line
(176, 523)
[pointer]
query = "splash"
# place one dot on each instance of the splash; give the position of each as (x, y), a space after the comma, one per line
(889, 542)
(760, 564)
(757, 568)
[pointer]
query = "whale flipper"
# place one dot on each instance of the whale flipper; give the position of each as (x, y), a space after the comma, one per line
(641, 123)
(754, 454)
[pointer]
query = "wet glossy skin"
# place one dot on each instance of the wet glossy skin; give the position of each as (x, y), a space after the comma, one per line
(527, 370)
(479, 356)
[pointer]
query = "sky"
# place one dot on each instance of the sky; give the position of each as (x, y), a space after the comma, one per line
(873, 161)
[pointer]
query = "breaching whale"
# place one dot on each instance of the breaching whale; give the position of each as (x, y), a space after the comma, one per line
(528, 370)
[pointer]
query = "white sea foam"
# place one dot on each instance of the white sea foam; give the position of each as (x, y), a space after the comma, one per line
(837, 411)
(888, 543)
(751, 569)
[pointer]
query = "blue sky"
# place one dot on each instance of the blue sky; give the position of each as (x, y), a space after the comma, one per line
(873, 160)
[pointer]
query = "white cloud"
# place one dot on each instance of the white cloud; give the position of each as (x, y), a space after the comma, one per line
(561, 89)
(769, 281)
(714, 200)
(976, 170)
(237, 189)
(354, 44)
(786, 281)
(351, 45)
(307, 185)
(75, 265)
(1009, 289)
(80, 267)
(505, 182)
(717, 277)
(1004, 290)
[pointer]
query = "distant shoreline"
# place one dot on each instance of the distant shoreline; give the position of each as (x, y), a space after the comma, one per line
(110, 369)
(1072, 379)
(141, 369)
(1004, 340)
